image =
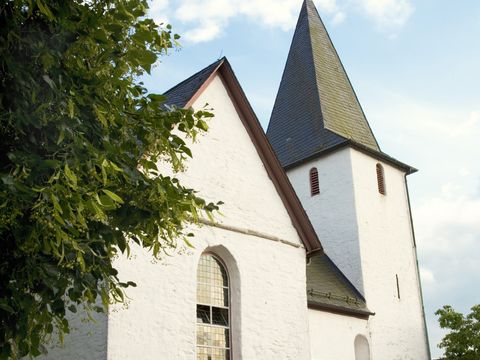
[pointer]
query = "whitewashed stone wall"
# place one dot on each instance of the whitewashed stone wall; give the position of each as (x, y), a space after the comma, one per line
(332, 336)
(87, 340)
(332, 213)
(269, 306)
(387, 251)
(269, 303)
(368, 236)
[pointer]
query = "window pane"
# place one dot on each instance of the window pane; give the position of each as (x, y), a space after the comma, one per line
(202, 335)
(219, 296)
(203, 314)
(213, 336)
(211, 271)
(203, 294)
(219, 316)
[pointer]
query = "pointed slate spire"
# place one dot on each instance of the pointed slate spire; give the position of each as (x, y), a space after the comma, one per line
(316, 108)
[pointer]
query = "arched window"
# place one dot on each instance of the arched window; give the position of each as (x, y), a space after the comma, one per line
(380, 179)
(314, 185)
(362, 349)
(213, 309)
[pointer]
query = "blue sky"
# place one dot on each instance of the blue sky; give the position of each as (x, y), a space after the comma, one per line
(415, 66)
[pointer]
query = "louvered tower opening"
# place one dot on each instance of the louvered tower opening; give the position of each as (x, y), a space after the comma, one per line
(380, 179)
(314, 185)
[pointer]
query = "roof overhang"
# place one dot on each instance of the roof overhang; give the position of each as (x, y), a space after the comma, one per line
(362, 148)
(358, 313)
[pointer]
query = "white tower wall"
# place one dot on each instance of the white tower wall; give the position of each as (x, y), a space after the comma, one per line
(332, 212)
(369, 237)
(388, 252)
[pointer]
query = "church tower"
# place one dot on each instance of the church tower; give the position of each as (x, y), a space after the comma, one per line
(355, 195)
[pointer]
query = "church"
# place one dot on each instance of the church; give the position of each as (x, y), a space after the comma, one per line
(313, 255)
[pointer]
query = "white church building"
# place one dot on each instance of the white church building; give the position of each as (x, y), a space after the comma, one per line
(314, 255)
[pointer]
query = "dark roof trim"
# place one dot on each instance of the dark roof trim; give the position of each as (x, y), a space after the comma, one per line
(275, 171)
(361, 314)
(205, 84)
(181, 93)
(362, 148)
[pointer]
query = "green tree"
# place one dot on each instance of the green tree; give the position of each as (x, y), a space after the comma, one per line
(80, 142)
(463, 340)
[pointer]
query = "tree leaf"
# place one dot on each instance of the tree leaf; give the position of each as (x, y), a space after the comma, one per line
(44, 9)
(70, 175)
(113, 196)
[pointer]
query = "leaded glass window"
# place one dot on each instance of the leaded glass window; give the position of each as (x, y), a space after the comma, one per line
(213, 310)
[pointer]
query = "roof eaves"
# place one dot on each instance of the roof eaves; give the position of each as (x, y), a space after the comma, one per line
(342, 310)
(382, 156)
(362, 148)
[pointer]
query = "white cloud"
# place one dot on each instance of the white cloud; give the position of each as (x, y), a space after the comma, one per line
(207, 19)
(427, 276)
(204, 32)
(464, 171)
(448, 234)
(448, 223)
(388, 14)
(159, 9)
(339, 18)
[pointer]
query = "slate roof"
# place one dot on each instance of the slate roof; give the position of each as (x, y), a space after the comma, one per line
(316, 107)
(182, 93)
(329, 289)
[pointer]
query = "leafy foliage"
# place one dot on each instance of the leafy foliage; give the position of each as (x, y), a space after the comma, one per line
(463, 340)
(80, 142)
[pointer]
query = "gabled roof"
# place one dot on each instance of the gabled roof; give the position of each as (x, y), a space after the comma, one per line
(316, 107)
(329, 290)
(185, 93)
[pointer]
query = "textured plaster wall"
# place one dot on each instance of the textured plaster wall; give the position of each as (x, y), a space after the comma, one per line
(269, 306)
(387, 250)
(332, 212)
(86, 341)
(332, 336)
(269, 302)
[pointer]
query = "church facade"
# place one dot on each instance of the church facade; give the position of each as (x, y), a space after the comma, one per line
(314, 254)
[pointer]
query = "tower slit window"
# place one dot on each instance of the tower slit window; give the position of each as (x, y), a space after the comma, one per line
(381, 179)
(314, 184)
(213, 310)
(398, 286)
